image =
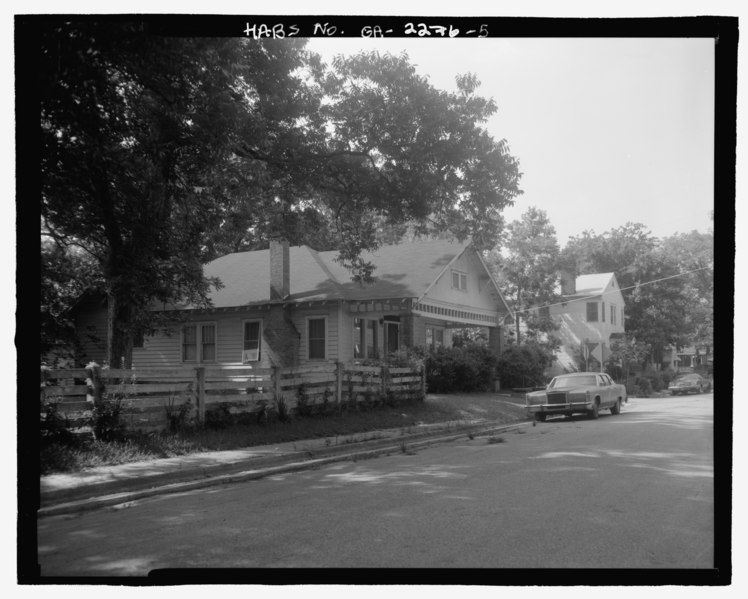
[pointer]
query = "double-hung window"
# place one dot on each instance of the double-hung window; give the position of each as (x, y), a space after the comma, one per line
(459, 280)
(317, 338)
(591, 311)
(252, 341)
(199, 342)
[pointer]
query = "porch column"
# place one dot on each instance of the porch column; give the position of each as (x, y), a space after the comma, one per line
(407, 331)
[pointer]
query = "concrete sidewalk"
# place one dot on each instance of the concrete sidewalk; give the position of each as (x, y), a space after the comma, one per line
(113, 485)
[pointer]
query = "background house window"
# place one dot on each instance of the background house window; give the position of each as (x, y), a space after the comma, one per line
(459, 280)
(317, 340)
(252, 342)
(612, 315)
(199, 343)
(591, 311)
(602, 312)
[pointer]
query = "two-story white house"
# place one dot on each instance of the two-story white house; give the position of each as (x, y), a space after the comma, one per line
(590, 310)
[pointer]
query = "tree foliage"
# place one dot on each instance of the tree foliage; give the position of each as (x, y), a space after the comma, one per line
(65, 275)
(137, 158)
(693, 253)
(659, 297)
(525, 365)
(526, 269)
(159, 154)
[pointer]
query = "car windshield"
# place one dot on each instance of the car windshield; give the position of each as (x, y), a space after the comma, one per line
(564, 382)
(689, 378)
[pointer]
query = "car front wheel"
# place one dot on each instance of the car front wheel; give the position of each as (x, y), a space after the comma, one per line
(616, 408)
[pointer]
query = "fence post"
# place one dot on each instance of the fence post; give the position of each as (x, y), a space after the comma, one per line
(200, 392)
(423, 382)
(95, 385)
(338, 383)
(384, 375)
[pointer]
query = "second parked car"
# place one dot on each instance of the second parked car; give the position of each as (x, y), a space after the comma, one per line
(689, 383)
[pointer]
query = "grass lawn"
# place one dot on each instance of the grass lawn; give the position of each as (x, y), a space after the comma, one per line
(81, 454)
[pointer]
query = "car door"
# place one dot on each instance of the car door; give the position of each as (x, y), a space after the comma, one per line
(606, 389)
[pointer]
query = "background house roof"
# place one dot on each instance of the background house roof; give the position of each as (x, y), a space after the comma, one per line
(402, 270)
(594, 284)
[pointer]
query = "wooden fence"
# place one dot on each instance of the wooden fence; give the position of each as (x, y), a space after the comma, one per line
(151, 398)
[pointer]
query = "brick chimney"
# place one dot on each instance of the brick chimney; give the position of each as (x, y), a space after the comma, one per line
(280, 271)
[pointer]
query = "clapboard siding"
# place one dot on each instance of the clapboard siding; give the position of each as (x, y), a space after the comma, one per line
(164, 348)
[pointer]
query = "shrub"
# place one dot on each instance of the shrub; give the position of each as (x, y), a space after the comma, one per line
(178, 415)
(105, 419)
(524, 365)
(219, 417)
(468, 368)
(54, 427)
(281, 409)
(303, 405)
(645, 386)
(632, 389)
(655, 379)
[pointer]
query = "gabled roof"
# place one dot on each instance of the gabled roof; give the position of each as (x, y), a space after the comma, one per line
(591, 285)
(402, 270)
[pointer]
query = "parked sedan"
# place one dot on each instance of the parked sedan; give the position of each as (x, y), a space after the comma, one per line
(580, 392)
(689, 383)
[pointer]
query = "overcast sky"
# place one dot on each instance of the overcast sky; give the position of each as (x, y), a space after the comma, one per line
(606, 130)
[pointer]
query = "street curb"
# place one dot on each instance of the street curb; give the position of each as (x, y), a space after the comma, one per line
(179, 474)
(288, 464)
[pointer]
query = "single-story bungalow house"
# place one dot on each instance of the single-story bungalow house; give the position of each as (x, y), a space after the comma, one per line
(288, 306)
(590, 310)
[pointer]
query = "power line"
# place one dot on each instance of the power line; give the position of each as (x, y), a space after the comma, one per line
(584, 297)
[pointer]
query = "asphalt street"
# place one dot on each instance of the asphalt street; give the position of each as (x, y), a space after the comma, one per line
(634, 490)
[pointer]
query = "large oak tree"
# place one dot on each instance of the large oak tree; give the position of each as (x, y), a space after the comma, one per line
(160, 153)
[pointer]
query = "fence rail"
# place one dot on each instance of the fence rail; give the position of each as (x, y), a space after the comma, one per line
(149, 396)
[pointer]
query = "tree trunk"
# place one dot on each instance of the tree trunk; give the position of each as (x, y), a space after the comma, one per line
(119, 331)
